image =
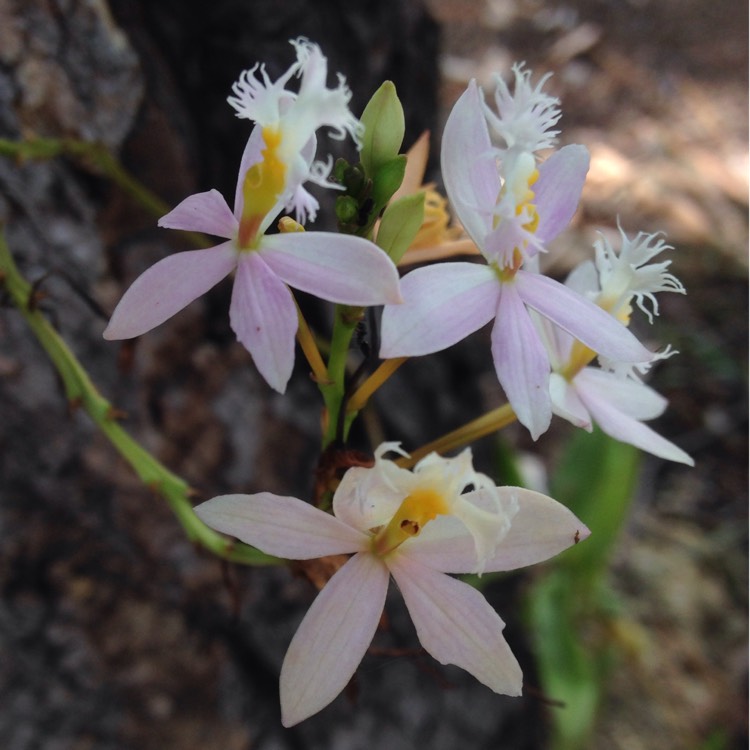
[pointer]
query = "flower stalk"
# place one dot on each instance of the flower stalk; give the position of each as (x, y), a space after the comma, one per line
(80, 391)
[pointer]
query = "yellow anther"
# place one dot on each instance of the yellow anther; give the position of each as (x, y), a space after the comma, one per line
(417, 509)
(263, 185)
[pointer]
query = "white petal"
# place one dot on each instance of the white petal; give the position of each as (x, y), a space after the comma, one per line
(443, 304)
(203, 212)
(566, 404)
(339, 268)
(332, 638)
(282, 526)
(167, 287)
(470, 174)
(367, 498)
(264, 317)
(628, 395)
(629, 430)
(521, 362)
(541, 528)
(456, 625)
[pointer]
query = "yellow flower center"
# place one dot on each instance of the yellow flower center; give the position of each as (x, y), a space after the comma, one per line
(417, 509)
(263, 184)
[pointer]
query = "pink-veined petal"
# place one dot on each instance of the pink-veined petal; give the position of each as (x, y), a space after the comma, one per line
(470, 174)
(332, 638)
(558, 189)
(581, 318)
(203, 212)
(521, 362)
(281, 526)
(167, 287)
(629, 430)
(540, 529)
(456, 625)
(336, 267)
(443, 304)
(566, 404)
(264, 317)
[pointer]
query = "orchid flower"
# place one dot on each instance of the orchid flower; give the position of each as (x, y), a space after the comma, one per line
(415, 526)
(278, 158)
(612, 396)
(511, 206)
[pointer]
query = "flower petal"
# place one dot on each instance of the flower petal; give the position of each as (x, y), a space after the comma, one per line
(581, 318)
(339, 268)
(470, 174)
(203, 212)
(264, 317)
(281, 526)
(168, 286)
(442, 304)
(566, 404)
(558, 189)
(629, 430)
(521, 362)
(456, 625)
(541, 528)
(626, 394)
(332, 638)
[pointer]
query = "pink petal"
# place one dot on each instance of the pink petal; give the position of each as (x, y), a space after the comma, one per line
(443, 304)
(264, 317)
(202, 212)
(629, 430)
(541, 529)
(168, 286)
(336, 267)
(332, 638)
(521, 362)
(470, 174)
(581, 318)
(558, 189)
(456, 625)
(281, 526)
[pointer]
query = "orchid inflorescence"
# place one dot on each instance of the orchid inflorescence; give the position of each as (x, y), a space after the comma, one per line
(512, 197)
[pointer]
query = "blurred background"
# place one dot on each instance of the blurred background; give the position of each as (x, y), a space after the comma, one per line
(115, 632)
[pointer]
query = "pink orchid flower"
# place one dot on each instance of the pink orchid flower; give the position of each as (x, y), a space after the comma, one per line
(417, 527)
(278, 158)
(511, 208)
(612, 396)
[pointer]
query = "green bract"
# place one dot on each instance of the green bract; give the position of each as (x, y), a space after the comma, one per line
(399, 226)
(383, 119)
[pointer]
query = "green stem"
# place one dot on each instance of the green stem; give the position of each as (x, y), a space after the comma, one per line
(96, 154)
(80, 391)
(334, 390)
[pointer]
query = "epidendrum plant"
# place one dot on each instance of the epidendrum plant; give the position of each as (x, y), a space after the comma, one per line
(418, 517)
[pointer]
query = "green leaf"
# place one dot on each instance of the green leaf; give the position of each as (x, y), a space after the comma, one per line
(570, 673)
(383, 119)
(596, 479)
(400, 224)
